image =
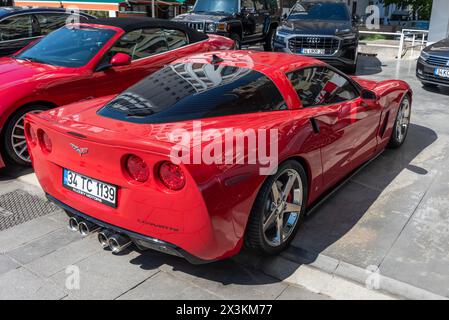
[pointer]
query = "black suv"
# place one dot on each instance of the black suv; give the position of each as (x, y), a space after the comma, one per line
(244, 21)
(323, 30)
(433, 64)
(20, 26)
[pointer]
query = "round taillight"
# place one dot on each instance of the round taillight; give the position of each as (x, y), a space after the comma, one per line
(137, 169)
(172, 176)
(44, 141)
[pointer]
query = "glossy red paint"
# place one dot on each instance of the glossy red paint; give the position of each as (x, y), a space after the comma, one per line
(23, 83)
(207, 218)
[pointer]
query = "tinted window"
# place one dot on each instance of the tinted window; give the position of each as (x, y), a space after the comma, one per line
(272, 4)
(260, 4)
(17, 27)
(175, 39)
(248, 5)
(68, 47)
(321, 86)
(204, 6)
(141, 43)
(319, 11)
(49, 22)
(193, 91)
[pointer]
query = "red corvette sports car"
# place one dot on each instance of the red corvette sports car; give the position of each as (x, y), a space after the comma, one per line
(157, 165)
(84, 61)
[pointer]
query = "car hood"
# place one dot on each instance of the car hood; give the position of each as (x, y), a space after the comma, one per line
(14, 72)
(440, 48)
(195, 17)
(316, 27)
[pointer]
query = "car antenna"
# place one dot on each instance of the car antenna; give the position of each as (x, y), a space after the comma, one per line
(216, 59)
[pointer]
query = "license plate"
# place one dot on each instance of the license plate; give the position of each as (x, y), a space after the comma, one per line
(444, 73)
(312, 51)
(91, 188)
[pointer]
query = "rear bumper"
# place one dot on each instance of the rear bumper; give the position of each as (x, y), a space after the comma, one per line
(139, 239)
(425, 73)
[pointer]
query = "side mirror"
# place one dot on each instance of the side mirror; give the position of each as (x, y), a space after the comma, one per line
(120, 59)
(369, 98)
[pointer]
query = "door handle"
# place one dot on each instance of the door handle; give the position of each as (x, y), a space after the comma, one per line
(315, 125)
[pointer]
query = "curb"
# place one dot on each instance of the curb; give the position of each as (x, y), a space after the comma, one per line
(337, 279)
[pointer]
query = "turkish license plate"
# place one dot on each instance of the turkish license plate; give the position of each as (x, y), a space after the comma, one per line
(444, 73)
(91, 188)
(312, 51)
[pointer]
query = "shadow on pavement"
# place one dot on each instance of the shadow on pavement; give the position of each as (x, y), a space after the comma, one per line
(436, 89)
(368, 65)
(10, 172)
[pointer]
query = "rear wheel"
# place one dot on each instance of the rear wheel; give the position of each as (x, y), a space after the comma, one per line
(278, 210)
(402, 123)
(15, 147)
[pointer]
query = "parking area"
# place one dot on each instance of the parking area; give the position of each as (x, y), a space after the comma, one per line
(389, 223)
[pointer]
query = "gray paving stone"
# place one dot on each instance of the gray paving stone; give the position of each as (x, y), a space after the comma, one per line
(23, 285)
(68, 255)
(43, 246)
(107, 276)
(165, 286)
(297, 293)
(26, 232)
(6, 264)
(227, 279)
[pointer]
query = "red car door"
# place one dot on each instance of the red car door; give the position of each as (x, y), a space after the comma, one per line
(150, 50)
(342, 125)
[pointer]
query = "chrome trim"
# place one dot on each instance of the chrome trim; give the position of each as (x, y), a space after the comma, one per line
(287, 39)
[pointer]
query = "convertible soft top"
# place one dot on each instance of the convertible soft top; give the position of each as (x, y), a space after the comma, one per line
(135, 23)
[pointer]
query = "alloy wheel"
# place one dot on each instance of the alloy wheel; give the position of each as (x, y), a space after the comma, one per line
(403, 121)
(283, 208)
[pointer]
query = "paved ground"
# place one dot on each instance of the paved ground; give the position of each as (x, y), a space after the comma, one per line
(393, 215)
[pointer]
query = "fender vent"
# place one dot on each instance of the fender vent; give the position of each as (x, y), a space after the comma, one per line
(19, 206)
(384, 125)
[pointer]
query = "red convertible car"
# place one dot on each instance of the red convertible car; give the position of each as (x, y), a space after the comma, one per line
(84, 61)
(126, 164)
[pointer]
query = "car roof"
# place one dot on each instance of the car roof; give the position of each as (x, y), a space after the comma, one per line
(10, 11)
(135, 23)
(265, 62)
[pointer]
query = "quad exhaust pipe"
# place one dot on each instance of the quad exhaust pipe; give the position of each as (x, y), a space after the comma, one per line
(116, 242)
(83, 227)
(74, 224)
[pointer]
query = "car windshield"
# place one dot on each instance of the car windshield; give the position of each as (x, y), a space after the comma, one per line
(69, 46)
(319, 11)
(182, 92)
(216, 6)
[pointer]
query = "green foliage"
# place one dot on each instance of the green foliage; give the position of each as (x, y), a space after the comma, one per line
(421, 8)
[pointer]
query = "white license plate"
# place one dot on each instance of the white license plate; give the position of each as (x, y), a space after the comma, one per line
(93, 189)
(312, 51)
(444, 73)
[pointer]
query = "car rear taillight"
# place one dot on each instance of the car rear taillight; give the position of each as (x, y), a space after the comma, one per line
(172, 176)
(31, 134)
(44, 141)
(137, 169)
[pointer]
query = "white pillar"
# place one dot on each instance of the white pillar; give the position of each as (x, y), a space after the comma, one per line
(439, 21)
(153, 8)
(112, 14)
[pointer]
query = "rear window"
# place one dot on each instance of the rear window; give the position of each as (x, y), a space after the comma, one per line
(183, 92)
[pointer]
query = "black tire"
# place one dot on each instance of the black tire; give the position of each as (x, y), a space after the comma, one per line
(269, 40)
(255, 238)
(395, 141)
(9, 151)
(237, 40)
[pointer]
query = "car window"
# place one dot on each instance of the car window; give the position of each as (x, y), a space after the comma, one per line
(272, 4)
(260, 5)
(321, 86)
(182, 92)
(141, 43)
(16, 27)
(49, 22)
(175, 38)
(248, 5)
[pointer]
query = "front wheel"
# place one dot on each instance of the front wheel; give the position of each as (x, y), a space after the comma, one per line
(15, 147)
(269, 41)
(278, 210)
(402, 124)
